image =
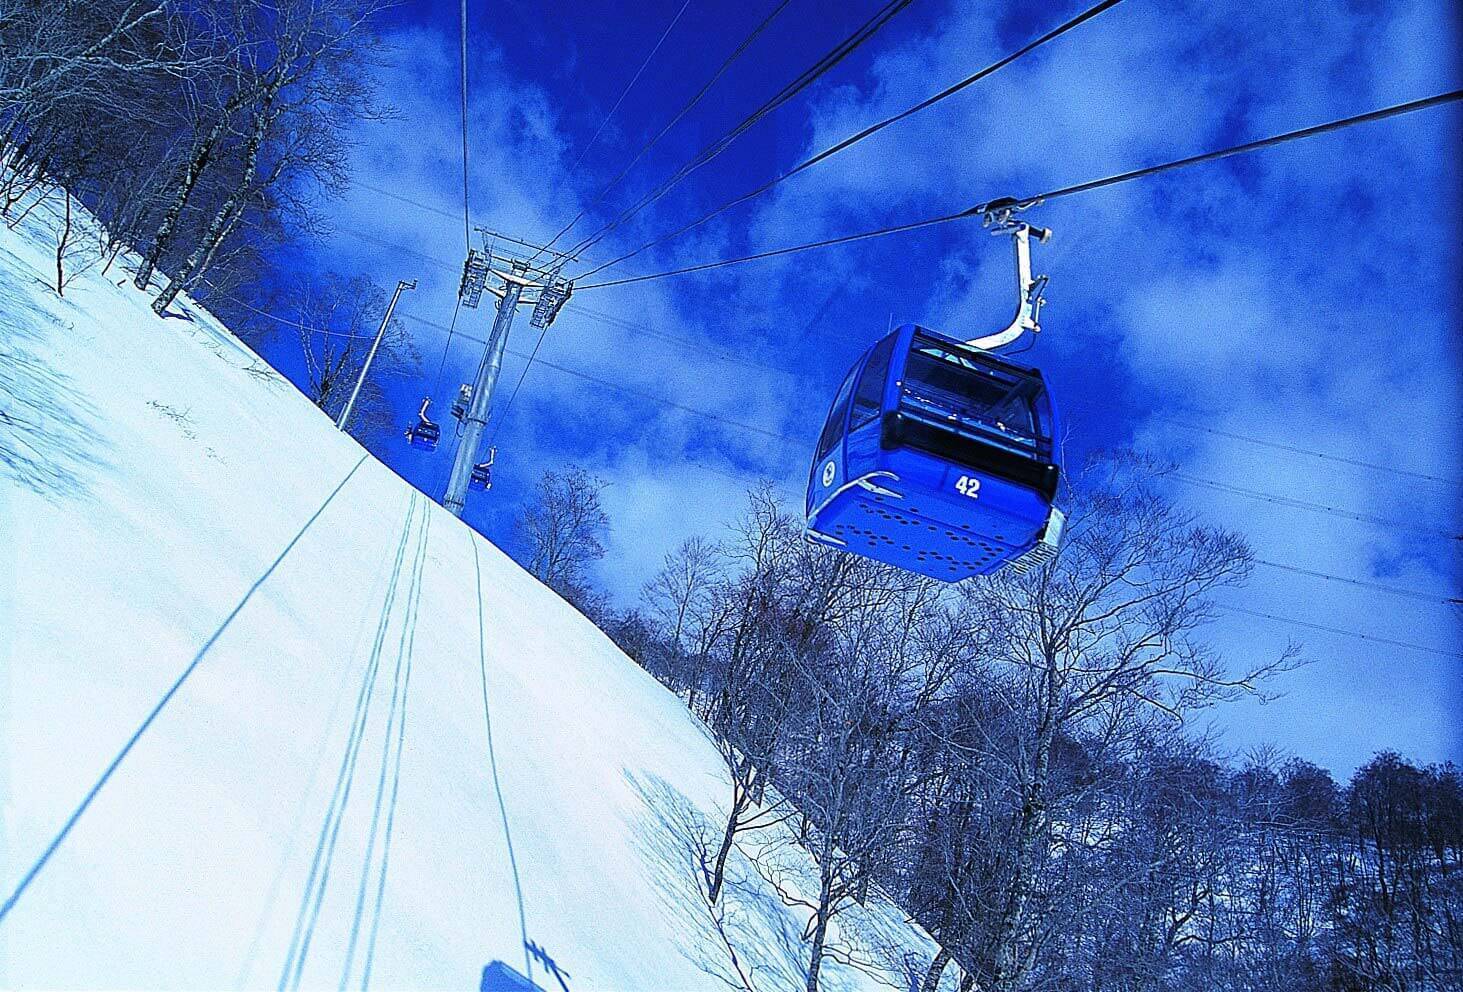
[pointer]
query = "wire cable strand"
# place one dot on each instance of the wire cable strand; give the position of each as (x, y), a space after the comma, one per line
(626, 92)
(1321, 508)
(725, 355)
(518, 385)
(731, 358)
(676, 119)
(1123, 177)
(1290, 502)
(446, 348)
(869, 131)
(842, 50)
(1324, 628)
(466, 213)
(1396, 110)
(1293, 449)
(1422, 597)
(788, 250)
(466, 219)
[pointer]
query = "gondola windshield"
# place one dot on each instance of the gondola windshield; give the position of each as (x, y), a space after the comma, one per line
(981, 398)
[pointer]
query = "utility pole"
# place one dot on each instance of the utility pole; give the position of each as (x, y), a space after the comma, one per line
(380, 332)
(521, 283)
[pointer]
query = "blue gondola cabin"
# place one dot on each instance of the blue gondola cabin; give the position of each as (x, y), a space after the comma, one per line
(939, 458)
(423, 434)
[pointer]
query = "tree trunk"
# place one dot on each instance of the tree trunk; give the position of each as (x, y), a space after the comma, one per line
(936, 969)
(1009, 965)
(25, 188)
(179, 285)
(61, 243)
(718, 871)
(820, 930)
(169, 226)
(815, 956)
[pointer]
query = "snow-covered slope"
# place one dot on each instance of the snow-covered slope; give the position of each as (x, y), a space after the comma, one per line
(272, 718)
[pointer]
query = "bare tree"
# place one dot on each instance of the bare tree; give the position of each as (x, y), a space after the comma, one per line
(1091, 648)
(681, 601)
(337, 320)
(299, 103)
(53, 52)
(198, 133)
(563, 529)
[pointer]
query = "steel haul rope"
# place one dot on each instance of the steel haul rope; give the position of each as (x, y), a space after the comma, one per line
(869, 131)
(980, 209)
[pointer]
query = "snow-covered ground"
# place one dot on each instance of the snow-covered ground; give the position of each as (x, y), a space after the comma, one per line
(269, 717)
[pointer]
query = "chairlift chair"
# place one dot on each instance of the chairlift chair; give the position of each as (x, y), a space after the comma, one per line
(482, 473)
(424, 433)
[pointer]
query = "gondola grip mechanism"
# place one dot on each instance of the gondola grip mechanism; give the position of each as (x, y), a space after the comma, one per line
(999, 218)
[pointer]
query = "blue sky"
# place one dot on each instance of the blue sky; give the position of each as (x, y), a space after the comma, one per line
(1306, 296)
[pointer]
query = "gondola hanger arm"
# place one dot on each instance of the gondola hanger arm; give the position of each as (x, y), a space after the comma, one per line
(999, 219)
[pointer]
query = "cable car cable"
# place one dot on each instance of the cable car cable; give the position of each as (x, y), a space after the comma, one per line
(980, 208)
(1278, 139)
(466, 212)
(1277, 445)
(729, 356)
(872, 129)
(626, 92)
(1301, 504)
(839, 52)
(518, 385)
(393, 195)
(789, 90)
(571, 307)
(703, 347)
(680, 114)
(1424, 597)
(466, 222)
(789, 250)
(1273, 498)
(1340, 459)
(1390, 642)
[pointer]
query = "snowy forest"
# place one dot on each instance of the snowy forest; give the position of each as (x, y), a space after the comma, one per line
(1015, 761)
(205, 138)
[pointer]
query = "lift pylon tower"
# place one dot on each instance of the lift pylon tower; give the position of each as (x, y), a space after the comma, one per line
(524, 275)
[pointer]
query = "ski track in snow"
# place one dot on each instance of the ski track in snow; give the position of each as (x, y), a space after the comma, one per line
(246, 742)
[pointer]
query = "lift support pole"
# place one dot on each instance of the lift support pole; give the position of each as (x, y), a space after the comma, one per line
(482, 398)
(380, 332)
(505, 272)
